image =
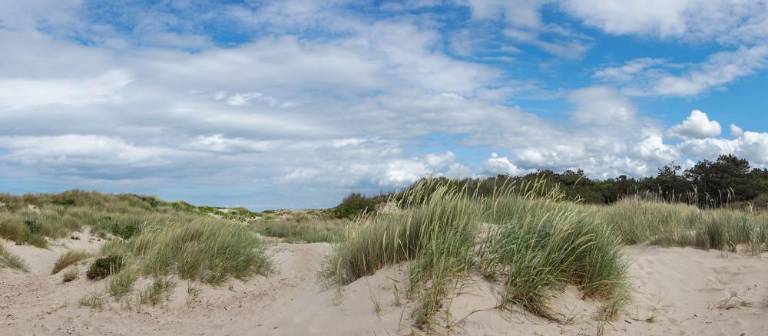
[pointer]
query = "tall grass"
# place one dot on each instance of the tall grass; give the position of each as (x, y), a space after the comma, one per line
(208, 250)
(667, 224)
(7, 259)
(540, 244)
(533, 243)
(301, 231)
(69, 258)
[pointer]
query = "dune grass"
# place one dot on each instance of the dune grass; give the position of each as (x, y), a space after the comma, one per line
(532, 243)
(651, 222)
(69, 258)
(301, 231)
(9, 260)
(540, 244)
(208, 250)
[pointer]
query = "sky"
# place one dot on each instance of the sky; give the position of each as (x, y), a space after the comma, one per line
(296, 103)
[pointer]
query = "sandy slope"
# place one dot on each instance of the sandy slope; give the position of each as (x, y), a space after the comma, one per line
(675, 292)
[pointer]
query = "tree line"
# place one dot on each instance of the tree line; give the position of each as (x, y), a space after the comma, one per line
(726, 181)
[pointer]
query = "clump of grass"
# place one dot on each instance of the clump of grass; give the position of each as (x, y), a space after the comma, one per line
(530, 240)
(121, 283)
(105, 266)
(70, 274)
(7, 259)
(437, 234)
(543, 244)
(95, 301)
(69, 258)
(207, 250)
(158, 291)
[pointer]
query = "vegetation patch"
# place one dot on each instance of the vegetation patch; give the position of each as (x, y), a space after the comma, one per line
(158, 291)
(70, 257)
(206, 250)
(7, 259)
(105, 266)
(533, 243)
(70, 274)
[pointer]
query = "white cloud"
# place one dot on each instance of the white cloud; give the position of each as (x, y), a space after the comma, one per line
(721, 68)
(601, 106)
(627, 72)
(736, 131)
(696, 126)
(20, 93)
(728, 21)
(76, 149)
(656, 77)
(502, 165)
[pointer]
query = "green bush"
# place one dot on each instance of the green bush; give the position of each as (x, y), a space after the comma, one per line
(105, 266)
(355, 204)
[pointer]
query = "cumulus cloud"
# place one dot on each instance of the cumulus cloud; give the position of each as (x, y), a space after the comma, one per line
(502, 165)
(736, 131)
(696, 126)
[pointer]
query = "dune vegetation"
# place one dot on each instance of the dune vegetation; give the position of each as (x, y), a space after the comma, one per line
(145, 237)
(11, 261)
(528, 238)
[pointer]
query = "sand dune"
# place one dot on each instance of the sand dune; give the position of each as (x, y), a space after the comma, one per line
(675, 291)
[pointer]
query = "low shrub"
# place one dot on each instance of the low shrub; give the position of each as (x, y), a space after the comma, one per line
(105, 266)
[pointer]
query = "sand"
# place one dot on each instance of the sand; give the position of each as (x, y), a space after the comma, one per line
(675, 291)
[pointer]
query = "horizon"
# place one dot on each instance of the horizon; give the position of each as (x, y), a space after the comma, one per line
(294, 104)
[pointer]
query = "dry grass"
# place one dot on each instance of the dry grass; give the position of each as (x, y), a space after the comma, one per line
(68, 258)
(7, 259)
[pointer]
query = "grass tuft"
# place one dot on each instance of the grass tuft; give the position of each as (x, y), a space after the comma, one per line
(70, 274)
(70, 257)
(7, 259)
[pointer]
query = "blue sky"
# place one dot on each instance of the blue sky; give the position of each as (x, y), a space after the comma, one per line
(295, 103)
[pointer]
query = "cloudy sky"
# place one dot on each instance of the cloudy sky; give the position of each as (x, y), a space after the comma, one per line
(294, 103)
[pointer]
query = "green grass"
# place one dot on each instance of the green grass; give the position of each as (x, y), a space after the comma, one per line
(533, 243)
(207, 250)
(158, 291)
(301, 231)
(540, 244)
(7, 259)
(70, 257)
(121, 284)
(666, 224)
(36, 218)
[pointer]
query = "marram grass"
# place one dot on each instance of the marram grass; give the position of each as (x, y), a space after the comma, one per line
(529, 240)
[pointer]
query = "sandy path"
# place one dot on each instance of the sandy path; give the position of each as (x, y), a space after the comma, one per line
(675, 292)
